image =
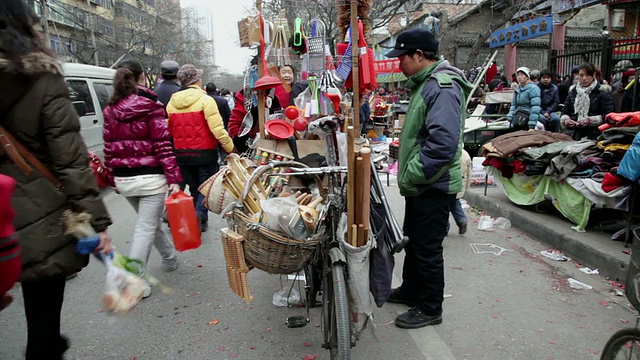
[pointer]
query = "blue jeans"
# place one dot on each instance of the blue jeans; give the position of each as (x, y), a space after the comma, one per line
(458, 214)
(553, 123)
(194, 176)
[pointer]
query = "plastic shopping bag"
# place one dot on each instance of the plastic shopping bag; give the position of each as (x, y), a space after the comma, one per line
(123, 290)
(285, 297)
(181, 213)
(88, 245)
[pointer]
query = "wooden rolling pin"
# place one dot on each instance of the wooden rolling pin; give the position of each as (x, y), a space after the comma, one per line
(365, 207)
(309, 214)
(351, 180)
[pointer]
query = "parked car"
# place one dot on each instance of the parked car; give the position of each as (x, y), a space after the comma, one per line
(90, 88)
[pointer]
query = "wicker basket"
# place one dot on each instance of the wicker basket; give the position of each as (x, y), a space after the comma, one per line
(271, 251)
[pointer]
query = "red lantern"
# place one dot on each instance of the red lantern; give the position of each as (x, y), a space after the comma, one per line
(291, 112)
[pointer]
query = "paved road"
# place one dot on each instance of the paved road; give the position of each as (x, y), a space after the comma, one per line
(513, 306)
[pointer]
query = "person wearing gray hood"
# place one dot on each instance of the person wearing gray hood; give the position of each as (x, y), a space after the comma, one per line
(430, 175)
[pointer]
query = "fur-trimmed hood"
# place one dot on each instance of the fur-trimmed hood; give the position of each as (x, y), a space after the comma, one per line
(32, 64)
(16, 82)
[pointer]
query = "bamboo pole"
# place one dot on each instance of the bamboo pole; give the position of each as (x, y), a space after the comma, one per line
(350, 180)
(359, 171)
(355, 70)
(479, 79)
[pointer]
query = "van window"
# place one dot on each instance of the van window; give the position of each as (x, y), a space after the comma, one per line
(104, 93)
(79, 91)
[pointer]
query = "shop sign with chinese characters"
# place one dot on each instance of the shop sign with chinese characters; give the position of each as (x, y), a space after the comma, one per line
(387, 66)
(523, 31)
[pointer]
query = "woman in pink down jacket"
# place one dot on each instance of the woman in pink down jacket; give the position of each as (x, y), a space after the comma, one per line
(137, 150)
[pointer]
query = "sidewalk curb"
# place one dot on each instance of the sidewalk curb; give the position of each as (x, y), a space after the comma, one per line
(570, 242)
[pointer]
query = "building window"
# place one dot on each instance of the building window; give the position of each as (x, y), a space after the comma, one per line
(107, 4)
(61, 45)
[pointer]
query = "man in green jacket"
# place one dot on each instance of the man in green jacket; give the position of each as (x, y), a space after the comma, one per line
(429, 176)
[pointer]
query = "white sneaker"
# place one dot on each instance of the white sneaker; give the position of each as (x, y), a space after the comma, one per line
(147, 292)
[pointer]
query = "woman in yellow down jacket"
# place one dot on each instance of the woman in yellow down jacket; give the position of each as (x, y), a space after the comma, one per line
(197, 130)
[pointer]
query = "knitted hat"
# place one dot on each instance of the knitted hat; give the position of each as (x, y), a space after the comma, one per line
(189, 74)
(524, 70)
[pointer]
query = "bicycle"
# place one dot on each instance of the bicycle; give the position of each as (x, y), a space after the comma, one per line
(327, 272)
(628, 339)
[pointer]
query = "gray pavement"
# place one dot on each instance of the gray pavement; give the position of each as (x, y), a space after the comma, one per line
(593, 248)
(513, 306)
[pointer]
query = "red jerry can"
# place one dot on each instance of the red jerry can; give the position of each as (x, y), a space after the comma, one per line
(181, 213)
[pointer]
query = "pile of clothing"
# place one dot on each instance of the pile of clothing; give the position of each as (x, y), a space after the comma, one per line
(601, 171)
(555, 155)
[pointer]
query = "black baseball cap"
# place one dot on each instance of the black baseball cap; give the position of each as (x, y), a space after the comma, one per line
(414, 39)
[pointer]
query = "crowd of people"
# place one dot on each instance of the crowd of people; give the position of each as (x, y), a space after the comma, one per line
(576, 105)
(160, 141)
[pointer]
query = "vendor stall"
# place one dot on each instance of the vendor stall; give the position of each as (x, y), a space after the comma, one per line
(291, 200)
(481, 127)
(534, 166)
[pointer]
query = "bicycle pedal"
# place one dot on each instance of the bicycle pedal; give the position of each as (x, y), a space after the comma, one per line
(296, 321)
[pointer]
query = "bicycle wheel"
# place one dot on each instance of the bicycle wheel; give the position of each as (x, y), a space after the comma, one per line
(335, 314)
(618, 346)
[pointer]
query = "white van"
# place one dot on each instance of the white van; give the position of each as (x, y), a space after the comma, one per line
(90, 88)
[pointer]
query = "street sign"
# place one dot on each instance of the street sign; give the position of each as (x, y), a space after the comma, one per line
(523, 31)
(387, 66)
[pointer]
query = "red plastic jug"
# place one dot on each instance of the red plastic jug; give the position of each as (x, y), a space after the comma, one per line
(181, 213)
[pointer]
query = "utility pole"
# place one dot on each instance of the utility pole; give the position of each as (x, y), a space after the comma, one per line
(44, 20)
(92, 25)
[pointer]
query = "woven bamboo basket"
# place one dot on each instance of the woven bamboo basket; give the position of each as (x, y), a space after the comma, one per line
(271, 251)
(266, 249)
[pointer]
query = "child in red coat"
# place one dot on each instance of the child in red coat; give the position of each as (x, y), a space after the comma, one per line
(10, 264)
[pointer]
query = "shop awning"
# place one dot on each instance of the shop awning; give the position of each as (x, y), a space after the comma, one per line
(389, 78)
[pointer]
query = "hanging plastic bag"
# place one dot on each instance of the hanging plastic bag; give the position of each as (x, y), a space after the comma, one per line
(88, 245)
(123, 290)
(285, 297)
(181, 213)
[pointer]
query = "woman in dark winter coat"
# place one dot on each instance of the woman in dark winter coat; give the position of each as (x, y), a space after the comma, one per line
(137, 149)
(36, 110)
(587, 104)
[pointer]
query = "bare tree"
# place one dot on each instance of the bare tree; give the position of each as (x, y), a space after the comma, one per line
(146, 36)
(511, 8)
